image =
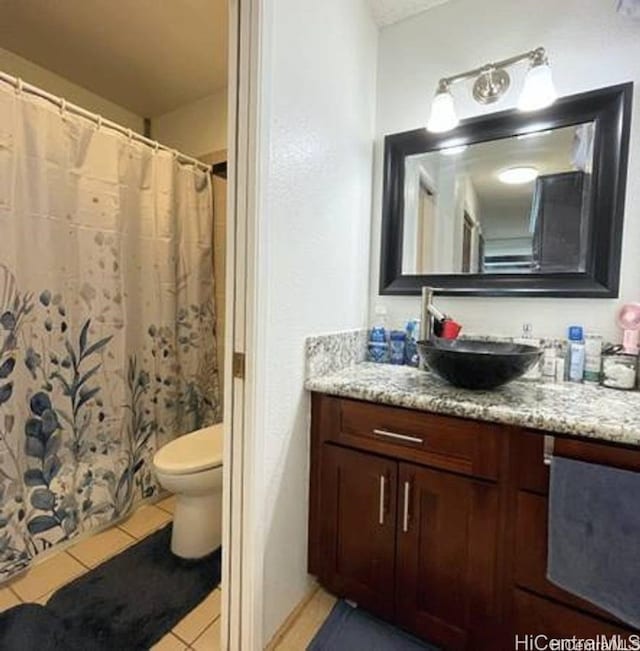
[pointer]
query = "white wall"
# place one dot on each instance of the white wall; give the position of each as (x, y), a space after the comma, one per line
(195, 129)
(589, 46)
(16, 66)
(317, 108)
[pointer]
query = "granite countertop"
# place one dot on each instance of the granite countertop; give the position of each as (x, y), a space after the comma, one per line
(568, 408)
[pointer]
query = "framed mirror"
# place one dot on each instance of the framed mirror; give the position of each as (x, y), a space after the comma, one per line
(511, 203)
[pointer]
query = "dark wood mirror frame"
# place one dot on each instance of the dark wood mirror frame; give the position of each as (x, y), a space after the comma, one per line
(610, 109)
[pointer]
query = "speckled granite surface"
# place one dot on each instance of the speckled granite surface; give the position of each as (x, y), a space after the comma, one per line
(332, 352)
(582, 410)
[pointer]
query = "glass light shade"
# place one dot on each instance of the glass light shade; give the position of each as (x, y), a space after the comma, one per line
(443, 113)
(538, 90)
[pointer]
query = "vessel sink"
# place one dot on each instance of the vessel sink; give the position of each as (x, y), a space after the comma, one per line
(474, 364)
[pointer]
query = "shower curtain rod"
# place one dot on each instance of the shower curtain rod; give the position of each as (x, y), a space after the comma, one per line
(21, 85)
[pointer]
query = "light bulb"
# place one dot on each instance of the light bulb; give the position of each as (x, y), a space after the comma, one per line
(443, 113)
(538, 91)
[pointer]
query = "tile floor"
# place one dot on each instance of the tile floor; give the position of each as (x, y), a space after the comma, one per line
(298, 633)
(198, 631)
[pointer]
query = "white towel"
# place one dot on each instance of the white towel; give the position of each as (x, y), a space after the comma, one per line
(629, 8)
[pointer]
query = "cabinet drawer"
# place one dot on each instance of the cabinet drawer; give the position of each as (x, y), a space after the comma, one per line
(533, 475)
(531, 554)
(454, 444)
(534, 615)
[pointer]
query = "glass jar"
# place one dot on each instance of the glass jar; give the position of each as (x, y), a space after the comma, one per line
(619, 370)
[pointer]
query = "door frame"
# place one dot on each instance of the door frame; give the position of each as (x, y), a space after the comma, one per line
(242, 626)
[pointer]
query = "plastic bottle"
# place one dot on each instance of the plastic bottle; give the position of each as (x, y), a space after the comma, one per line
(561, 358)
(378, 345)
(535, 372)
(549, 363)
(576, 354)
(396, 346)
(592, 358)
(411, 357)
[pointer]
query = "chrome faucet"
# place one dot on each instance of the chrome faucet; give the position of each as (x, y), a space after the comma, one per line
(428, 313)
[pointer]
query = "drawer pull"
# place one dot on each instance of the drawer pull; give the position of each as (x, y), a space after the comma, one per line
(405, 507)
(399, 437)
(381, 506)
(549, 444)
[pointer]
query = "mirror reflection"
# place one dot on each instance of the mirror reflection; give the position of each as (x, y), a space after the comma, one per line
(515, 205)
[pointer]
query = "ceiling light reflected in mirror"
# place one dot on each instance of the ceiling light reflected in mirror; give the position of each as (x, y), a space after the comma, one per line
(518, 175)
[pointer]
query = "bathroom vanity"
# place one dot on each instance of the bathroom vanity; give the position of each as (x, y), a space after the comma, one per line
(428, 504)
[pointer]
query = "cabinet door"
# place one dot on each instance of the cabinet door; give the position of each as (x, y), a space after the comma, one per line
(447, 542)
(358, 505)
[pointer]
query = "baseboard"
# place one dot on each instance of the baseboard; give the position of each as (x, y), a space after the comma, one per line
(284, 628)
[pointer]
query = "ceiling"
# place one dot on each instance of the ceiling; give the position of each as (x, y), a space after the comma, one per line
(149, 56)
(507, 208)
(387, 12)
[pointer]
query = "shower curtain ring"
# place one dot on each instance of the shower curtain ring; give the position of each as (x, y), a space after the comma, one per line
(99, 122)
(19, 85)
(130, 135)
(63, 108)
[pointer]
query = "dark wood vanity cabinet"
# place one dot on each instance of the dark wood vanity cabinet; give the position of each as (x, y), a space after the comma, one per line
(358, 527)
(446, 556)
(438, 524)
(405, 518)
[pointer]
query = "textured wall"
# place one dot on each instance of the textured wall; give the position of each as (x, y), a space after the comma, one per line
(197, 128)
(318, 111)
(36, 75)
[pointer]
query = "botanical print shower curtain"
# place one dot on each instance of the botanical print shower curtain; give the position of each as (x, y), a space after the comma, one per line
(107, 345)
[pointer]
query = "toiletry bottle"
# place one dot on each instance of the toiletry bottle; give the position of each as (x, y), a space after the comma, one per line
(396, 346)
(576, 354)
(378, 345)
(561, 357)
(411, 357)
(549, 363)
(535, 372)
(592, 358)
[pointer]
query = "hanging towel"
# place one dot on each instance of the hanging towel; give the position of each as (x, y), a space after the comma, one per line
(594, 535)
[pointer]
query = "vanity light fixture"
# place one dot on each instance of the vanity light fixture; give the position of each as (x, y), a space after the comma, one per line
(491, 82)
(518, 175)
(443, 111)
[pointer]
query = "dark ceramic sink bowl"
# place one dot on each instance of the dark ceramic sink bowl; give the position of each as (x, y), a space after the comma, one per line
(473, 364)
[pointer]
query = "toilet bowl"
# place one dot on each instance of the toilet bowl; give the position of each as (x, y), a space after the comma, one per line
(191, 468)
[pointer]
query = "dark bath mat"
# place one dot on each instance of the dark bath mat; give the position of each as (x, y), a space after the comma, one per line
(31, 627)
(134, 599)
(348, 628)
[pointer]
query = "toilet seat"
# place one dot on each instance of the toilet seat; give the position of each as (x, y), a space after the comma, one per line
(194, 452)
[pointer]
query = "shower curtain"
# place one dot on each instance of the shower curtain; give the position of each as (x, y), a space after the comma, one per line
(107, 342)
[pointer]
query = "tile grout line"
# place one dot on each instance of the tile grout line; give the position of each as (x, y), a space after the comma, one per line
(206, 628)
(15, 594)
(200, 634)
(79, 561)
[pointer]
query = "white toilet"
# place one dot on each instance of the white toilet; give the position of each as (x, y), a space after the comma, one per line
(191, 468)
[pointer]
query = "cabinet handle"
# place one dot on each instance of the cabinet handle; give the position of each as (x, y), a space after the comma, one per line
(381, 506)
(549, 443)
(405, 507)
(400, 437)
